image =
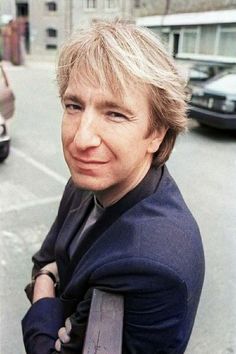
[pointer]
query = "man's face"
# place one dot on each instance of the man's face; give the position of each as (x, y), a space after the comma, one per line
(105, 139)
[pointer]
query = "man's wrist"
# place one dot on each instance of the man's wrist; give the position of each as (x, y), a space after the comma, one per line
(47, 273)
(43, 287)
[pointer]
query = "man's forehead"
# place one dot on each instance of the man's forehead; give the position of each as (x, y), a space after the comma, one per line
(82, 86)
(78, 83)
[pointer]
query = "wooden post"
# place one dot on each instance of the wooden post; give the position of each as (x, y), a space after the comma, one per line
(105, 324)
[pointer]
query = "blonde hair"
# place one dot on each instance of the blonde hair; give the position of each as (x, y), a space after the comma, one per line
(119, 55)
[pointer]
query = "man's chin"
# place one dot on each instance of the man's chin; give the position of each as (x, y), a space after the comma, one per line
(89, 183)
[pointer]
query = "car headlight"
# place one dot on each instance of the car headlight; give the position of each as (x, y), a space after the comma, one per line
(228, 106)
(2, 129)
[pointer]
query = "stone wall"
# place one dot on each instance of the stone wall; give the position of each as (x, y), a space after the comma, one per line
(154, 7)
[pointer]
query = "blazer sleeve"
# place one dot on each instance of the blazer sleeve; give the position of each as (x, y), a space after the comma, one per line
(155, 305)
(43, 320)
(46, 254)
(41, 324)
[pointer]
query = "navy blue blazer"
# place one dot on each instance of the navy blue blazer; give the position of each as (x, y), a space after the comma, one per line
(146, 247)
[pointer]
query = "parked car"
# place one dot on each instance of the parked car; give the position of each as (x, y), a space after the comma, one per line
(214, 102)
(4, 140)
(7, 107)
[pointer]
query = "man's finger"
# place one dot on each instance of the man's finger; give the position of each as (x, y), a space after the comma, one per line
(58, 345)
(63, 336)
(68, 325)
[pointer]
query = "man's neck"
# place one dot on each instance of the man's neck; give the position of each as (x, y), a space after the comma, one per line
(113, 194)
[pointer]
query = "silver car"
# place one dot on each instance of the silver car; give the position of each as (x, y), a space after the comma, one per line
(7, 107)
(214, 102)
(4, 140)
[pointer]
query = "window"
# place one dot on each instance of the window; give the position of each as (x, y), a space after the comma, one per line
(165, 39)
(90, 4)
(110, 4)
(189, 41)
(51, 6)
(22, 9)
(227, 40)
(207, 40)
(51, 32)
(51, 46)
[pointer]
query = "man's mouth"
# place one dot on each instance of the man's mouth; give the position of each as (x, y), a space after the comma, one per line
(87, 164)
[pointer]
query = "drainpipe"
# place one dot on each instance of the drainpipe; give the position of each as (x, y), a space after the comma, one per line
(166, 11)
(71, 16)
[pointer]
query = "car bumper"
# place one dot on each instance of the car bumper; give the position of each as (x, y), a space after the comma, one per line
(4, 145)
(213, 119)
(4, 140)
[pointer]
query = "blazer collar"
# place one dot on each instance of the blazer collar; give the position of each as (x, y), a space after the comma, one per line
(143, 190)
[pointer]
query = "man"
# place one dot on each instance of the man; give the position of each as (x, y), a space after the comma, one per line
(122, 224)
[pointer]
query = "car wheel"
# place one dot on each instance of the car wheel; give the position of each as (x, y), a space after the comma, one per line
(4, 152)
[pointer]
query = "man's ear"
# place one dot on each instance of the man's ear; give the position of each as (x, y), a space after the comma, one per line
(156, 139)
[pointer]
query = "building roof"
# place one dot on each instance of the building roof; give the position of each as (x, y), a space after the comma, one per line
(190, 18)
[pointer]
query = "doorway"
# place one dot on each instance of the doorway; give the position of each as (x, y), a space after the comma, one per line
(176, 36)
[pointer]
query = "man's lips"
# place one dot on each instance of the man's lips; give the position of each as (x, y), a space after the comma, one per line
(84, 161)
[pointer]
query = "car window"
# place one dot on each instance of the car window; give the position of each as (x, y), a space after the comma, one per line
(225, 84)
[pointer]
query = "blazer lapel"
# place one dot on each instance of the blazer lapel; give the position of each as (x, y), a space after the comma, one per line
(72, 224)
(102, 224)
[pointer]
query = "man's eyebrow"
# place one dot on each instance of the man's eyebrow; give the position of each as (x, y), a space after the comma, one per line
(71, 97)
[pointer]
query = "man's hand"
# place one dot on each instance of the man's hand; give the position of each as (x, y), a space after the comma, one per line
(63, 335)
(44, 286)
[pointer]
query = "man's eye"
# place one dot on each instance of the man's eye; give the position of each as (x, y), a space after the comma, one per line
(116, 115)
(72, 108)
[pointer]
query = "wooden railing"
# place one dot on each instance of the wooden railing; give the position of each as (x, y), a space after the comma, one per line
(105, 324)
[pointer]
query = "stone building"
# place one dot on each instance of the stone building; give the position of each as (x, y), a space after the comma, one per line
(50, 22)
(195, 30)
(161, 7)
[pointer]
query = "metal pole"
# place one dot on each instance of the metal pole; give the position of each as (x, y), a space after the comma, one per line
(70, 15)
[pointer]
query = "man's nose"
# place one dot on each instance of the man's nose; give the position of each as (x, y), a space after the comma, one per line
(87, 134)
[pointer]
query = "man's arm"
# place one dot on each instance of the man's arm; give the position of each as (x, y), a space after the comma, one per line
(155, 305)
(46, 253)
(44, 285)
(44, 320)
(152, 323)
(41, 324)
(45, 317)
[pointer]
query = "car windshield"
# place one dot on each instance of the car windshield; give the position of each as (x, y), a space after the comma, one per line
(225, 84)
(196, 73)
